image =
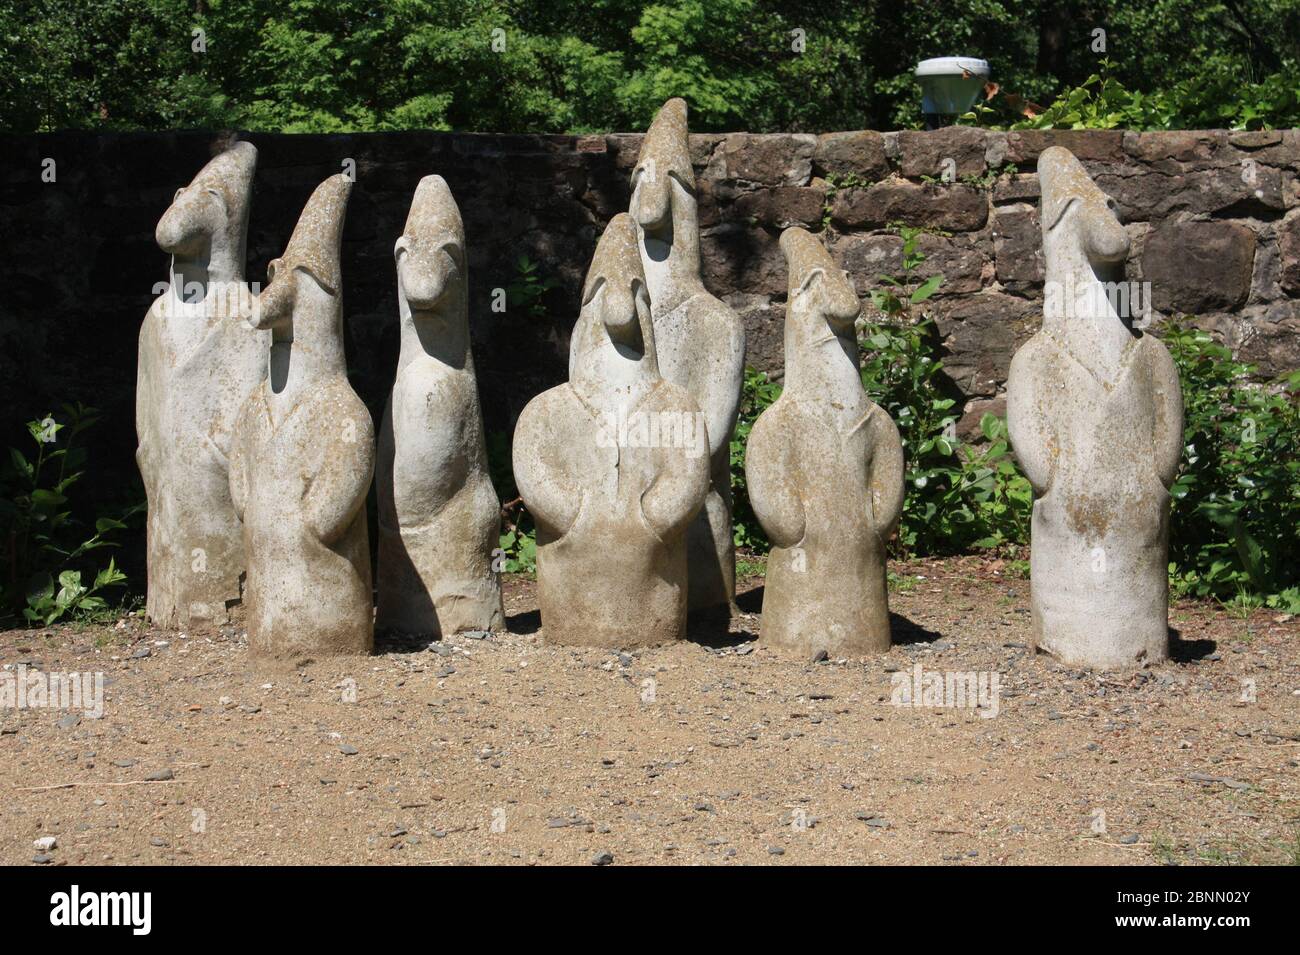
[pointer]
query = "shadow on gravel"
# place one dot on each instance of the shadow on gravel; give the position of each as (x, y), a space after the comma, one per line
(390, 641)
(530, 621)
(905, 631)
(1185, 651)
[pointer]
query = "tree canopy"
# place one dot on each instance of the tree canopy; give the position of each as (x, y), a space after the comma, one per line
(600, 65)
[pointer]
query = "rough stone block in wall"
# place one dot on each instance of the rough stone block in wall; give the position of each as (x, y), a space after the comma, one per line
(1214, 215)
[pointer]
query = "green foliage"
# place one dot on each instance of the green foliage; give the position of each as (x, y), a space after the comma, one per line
(958, 497)
(896, 299)
(529, 286)
(518, 540)
(1237, 500)
(599, 65)
(756, 396)
(45, 552)
(1205, 101)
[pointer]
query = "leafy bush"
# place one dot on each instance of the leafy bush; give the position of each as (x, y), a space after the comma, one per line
(1210, 100)
(1236, 509)
(529, 286)
(45, 553)
(756, 396)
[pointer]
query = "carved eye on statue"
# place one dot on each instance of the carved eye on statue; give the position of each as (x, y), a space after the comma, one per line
(456, 254)
(273, 269)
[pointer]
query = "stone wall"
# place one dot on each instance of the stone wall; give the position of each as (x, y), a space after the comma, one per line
(1213, 217)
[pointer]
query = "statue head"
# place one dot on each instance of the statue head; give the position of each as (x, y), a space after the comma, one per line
(665, 159)
(818, 289)
(430, 253)
(1077, 217)
(212, 209)
(615, 301)
(310, 263)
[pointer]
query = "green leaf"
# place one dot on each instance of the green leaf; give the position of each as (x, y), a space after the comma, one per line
(926, 289)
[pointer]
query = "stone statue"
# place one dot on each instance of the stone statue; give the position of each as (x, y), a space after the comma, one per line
(613, 466)
(700, 340)
(198, 362)
(824, 466)
(439, 517)
(304, 454)
(1096, 420)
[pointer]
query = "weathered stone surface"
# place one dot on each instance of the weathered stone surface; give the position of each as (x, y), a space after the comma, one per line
(699, 341)
(1096, 420)
(771, 159)
(735, 257)
(613, 465)
(980, 332)
(1180, 146)
(958, 208)
(1018, 188)
(1087, 145)
(1255, 138)
(858, 154)
(303, 456)
(824, 467)
(1017, 245)
(198, 361)
(1198, 266)
(764, 321)
(1222, 191)
(1268, 336)
(439, 517)
(928, 153)
(957, 258)
(867, 257)
(783, 206)
(1288, 243)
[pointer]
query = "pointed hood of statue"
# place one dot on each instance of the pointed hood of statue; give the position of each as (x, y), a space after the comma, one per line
(616, 260)
(804, 254)
(316, 240)
(667, 143)
(231, 174)
(434, 211)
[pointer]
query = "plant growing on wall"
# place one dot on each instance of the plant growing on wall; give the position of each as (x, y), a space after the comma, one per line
(46, 549)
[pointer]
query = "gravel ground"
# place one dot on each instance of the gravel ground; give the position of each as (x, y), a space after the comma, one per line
(715, 750)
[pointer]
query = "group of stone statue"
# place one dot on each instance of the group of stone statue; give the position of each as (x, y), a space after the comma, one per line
(257, 455)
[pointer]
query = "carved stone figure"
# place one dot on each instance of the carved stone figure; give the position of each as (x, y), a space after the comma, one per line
(304, 454)
(824, 467)
(198, 361)
(613, 466)
(700, 340)
(1096, 420)
(439, 517)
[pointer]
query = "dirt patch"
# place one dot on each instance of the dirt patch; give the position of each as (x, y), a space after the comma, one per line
(716, 750)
